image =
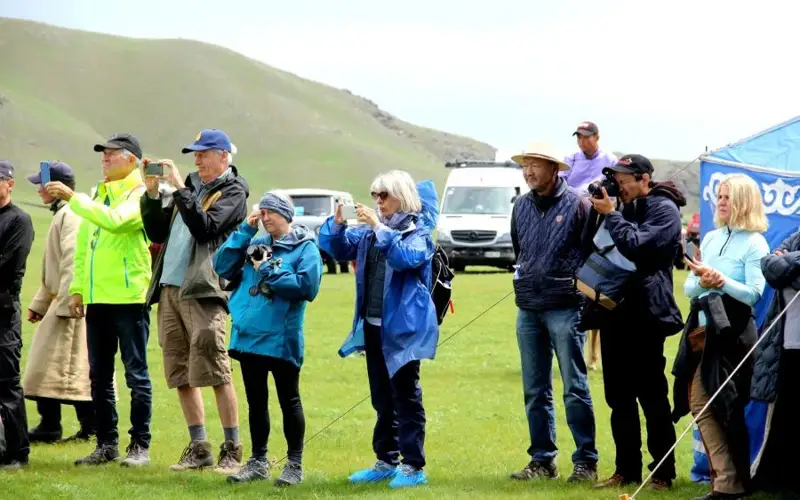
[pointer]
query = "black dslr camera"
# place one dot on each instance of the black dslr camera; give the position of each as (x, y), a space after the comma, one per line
(609, 182)
(259, 252)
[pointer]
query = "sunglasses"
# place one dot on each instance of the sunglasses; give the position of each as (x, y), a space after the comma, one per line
(382, 195)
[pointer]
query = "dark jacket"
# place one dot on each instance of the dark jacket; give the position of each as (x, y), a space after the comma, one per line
(210, 221)
(729, 336)
(648, 233)
(546, 235)
(16, 240)
(780, 271)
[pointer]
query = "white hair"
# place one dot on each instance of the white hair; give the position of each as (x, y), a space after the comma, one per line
(230, 153)
(127, 154)
(399, 184)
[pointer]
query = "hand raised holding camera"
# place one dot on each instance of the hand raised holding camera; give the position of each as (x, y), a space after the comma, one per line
(366, 215)
(602, 205)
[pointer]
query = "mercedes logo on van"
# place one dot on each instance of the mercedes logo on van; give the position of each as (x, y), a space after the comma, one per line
(473, 235)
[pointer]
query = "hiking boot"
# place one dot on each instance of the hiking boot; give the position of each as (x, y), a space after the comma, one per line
(230, 458)
(583, 472)
(615, 481)
(81, 435)
(408, 476)
(537, 469)
(379, 472)
(291, 475)
(41, 434)
(660, 484)
(254, 470)
(138, 456)
(197, 455)
(103, 454)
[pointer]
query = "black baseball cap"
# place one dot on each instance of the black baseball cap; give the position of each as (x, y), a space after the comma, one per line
(122, 141)
(6, 170)
(632, 164)
(59, 171)
(586, 129)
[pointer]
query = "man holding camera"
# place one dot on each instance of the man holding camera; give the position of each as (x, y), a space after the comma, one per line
(111, 270)
(16, 239)
(646, 232)
(192, 303)
(546, 228)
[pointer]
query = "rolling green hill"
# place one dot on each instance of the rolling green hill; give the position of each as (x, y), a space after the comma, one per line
(62, 90)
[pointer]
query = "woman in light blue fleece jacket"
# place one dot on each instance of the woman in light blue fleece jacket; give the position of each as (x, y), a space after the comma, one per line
(725, 283)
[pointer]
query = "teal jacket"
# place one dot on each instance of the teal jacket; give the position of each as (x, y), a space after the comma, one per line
(268, 306)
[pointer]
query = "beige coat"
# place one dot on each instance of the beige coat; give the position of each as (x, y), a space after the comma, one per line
(58, 361)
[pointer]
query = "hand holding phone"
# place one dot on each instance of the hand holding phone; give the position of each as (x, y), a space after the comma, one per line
(44, 168)
(691, 252)
(349, 212)
(154, 169)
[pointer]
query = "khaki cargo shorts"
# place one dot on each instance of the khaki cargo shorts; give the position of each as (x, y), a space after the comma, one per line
(191, 334)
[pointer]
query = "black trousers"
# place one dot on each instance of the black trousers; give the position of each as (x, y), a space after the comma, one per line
(777, 471)
(50, 412)
(255, 373)
(400, 428)
(12, 401)
(633, 375)
(127, 327)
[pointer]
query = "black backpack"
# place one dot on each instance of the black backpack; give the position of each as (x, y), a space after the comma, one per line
(441, 278)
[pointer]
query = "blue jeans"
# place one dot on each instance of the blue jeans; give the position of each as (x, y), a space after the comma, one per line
(539, 333)
(127, 327)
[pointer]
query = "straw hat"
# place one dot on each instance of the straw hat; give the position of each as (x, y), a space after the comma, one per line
(538, 149)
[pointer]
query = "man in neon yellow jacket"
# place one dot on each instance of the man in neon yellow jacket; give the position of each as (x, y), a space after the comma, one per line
(111, 275)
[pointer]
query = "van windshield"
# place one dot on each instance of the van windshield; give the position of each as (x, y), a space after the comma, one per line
(314, 206)
(478, 200)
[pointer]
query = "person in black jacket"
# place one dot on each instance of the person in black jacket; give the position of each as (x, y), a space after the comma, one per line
(192, 300)
(16, 239)
(776, 372)
(647, 233)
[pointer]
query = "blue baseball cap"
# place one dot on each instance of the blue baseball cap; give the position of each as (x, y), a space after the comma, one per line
(59, 171)
(6, 170)
(209, 139)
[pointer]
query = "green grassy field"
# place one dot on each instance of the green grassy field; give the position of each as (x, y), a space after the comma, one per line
(476, 430)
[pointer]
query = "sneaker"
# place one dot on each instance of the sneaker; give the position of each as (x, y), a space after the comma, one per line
(103, 454)
(230, 458)
(615, 481)
(12, 465)
(138, 456)
(197, 455)
(41, 434)
(81, 435)
(254, 470)
(408, 476)
(380, 472)
(537, 469)
(583, 472)
(291, 475)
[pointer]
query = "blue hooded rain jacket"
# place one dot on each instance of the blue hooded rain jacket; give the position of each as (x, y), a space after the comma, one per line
(409, 328)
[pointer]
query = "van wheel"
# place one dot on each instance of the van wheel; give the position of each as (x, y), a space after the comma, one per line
(459, 267)
(344, 267)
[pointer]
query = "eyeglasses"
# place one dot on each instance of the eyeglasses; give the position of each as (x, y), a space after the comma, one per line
(382, 195)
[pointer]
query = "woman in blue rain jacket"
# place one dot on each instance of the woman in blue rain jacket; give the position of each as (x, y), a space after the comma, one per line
(395, 320)
(268, 312)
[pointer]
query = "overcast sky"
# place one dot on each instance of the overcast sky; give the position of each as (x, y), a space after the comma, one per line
(665, 79)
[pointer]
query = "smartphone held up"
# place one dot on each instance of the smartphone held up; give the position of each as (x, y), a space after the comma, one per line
(349, 213)
(154, 169)
(44, 168)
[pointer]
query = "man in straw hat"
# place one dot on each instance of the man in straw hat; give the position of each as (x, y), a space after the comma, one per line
(546, 228)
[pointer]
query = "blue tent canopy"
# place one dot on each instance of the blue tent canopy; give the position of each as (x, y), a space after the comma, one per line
(772, 159)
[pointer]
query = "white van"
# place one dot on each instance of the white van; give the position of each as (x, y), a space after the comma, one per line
(475, 215)
(311, 208)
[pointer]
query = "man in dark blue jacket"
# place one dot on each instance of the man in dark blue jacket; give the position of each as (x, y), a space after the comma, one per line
(546, 228)
(647, 232)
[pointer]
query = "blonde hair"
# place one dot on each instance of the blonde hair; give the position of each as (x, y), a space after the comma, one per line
(400, 185)
(747, 207)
